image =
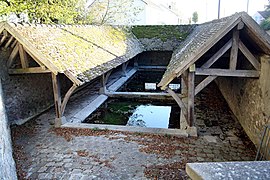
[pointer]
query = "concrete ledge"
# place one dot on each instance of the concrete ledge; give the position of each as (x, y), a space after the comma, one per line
(229, 170)
(174, 132)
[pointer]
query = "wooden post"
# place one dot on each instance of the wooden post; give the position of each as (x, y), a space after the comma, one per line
(184, 90)
(59, 120)
(191, 95)
(234, 50)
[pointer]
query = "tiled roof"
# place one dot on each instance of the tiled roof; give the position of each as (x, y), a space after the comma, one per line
(85, 51)
(198, 42)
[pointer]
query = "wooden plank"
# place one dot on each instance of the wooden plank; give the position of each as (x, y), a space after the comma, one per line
(13, 56)
(218, 54)
(227, 72)
(9, 42)
(31, 50)
(57, 95)
(180, 103)
(23, 57)
(32, 70)
(66, 98)
(204, 83)
(3, 39)
(191, 95)
(249, 56)
(234, 50)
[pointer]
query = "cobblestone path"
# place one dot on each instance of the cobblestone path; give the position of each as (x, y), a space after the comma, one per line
(43, 152)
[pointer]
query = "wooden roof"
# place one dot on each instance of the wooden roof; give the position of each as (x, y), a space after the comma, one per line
(206, 36)
(82, 53)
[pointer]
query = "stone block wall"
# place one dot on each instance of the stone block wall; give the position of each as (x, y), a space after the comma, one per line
(154, 58)
(26, 95)
(249, 99)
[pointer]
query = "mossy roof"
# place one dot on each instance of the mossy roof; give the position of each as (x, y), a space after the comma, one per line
(86, 52)
(203, 38)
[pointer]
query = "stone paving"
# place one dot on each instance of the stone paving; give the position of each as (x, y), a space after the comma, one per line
(43, 152)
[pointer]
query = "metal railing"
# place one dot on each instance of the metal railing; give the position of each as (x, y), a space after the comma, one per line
(263, 152)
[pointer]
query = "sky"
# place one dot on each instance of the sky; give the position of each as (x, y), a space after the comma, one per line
(208, 9)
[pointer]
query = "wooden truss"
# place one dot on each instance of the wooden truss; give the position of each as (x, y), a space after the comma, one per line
(21, 61)
(186, 99)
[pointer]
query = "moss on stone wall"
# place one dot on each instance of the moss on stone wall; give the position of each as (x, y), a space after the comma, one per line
(163, 32)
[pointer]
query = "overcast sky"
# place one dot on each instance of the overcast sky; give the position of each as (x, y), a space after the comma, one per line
(208, 9)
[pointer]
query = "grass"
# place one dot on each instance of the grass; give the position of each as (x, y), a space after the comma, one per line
(164, 32)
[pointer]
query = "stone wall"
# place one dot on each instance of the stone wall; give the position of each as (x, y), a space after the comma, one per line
(26, 95)
(249, 99)
(7, 164)
(162, 37)
(154, 58)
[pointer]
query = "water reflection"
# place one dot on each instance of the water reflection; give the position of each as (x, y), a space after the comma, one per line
(150, 116)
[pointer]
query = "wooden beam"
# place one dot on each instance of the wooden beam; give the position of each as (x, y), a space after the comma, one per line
(124, 68)
(191, 95)
(9, 42)
(66, 98)
(13, 56)
(240, 25)
(249, 56)
(14, 43)
(178, 101)
(227, 72)
(3, 39)
(57, 95)
(31, 50)
(204, 83)
(234, 50)
(73, 78)
(218, 54)
(23, 57)
(32, 70)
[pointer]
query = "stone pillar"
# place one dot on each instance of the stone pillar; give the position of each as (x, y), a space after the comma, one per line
(7, 164)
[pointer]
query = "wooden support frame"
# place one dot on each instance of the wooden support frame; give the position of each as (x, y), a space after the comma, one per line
(9, 42)
(59, 105)
(32, 70)
(218, 54)
(191, 96)
(13, 55)
(124, 68)
(204, 83)
(228, 72)
(234, 50)
(249, 56)
(66, 98)
(23, 57)
(104, 80)
(178, 100)
(4, 37)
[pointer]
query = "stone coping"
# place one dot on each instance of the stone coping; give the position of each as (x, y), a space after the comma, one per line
(229, 170)
(174, 132)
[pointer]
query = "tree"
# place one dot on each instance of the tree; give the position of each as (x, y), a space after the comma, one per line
(195, 17)
(111, 12)
(265, 24)
(44, 11)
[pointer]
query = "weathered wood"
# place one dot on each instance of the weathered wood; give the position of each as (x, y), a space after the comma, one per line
(240, 25)
(124, 68)
(153, 67)
(57, 95)
(73, 78)
(204, 83)
(227, 72)
(184, 79)
(32, 70)
(3, 39)
(9, 42)
(217, 55)
(66, 98)
(14, 43)
(234, 50)
(23, 57)
(13, 56)
(191, 95)
(31, 50)
(185, 65)
(180, 103)
(249, 56)
(192, 68)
